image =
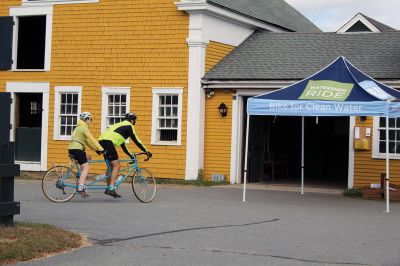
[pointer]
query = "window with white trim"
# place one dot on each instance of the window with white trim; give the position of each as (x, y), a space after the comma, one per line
(115, 104)
(32, 38)
(66, 111)
(379, 141)
(166, 116)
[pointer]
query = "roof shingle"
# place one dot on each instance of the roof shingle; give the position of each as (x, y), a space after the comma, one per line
(276, 12)
(284, 56)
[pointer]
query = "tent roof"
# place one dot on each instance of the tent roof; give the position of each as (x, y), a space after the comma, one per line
(319, 95)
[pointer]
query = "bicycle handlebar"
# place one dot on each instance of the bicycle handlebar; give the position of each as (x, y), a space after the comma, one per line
(140, 153)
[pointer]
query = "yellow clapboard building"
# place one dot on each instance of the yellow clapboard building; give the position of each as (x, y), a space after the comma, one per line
(59, 58)
(108, 57)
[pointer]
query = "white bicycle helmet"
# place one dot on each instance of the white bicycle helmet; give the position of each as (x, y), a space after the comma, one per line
(85, 116)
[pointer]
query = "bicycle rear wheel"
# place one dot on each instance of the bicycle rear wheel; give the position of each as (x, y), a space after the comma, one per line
(59, 184)
(144, 185)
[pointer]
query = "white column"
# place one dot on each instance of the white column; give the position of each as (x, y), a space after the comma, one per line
(350, 178)
(235, 139)
(195, 109)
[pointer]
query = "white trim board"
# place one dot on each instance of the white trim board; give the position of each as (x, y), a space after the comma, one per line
(32, 87)
(350, 175)
(354, 20)
(56, 2)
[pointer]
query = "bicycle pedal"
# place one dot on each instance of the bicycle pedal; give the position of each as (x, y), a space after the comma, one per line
(83, 194)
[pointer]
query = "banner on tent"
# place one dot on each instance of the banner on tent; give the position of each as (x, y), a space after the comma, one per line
(317, 108)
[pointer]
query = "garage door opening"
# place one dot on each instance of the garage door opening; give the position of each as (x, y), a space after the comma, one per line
(275, 150)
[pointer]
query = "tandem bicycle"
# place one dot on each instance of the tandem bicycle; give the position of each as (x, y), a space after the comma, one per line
(60, 183)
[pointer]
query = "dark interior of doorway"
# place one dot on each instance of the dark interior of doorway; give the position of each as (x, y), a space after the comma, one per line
(275, 150)
(28, 126)
(31, 42)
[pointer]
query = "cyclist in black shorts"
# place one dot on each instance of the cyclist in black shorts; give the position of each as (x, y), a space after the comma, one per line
(115, 136)
(80, 138)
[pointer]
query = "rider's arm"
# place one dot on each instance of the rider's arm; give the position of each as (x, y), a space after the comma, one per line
(92, 142)
(137, 141)
(125, 149)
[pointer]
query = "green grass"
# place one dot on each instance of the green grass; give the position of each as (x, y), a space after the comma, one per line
(353, 193)
(26, 241)
(26, 175)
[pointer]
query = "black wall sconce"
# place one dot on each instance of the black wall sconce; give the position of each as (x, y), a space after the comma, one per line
(223, 109)
(363, 118)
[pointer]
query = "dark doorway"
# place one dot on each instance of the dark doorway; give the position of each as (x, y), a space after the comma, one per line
(31, 42)
(28, 126)
(275, 150)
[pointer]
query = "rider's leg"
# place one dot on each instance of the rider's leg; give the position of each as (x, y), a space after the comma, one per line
(84, 173)
(111, 189)
(116, 166)
(82, 179)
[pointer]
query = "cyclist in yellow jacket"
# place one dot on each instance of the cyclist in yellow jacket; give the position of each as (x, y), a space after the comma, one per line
(115, 136)
(80, 138)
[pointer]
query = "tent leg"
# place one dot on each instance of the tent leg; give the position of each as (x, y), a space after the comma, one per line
(245, 156)
(387, 164)
(302, 155)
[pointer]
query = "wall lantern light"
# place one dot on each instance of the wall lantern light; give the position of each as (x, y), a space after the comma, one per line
(223, 109)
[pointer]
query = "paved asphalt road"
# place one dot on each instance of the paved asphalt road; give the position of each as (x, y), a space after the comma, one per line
(212, 226)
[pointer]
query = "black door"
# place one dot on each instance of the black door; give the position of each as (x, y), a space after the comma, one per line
(28, 127)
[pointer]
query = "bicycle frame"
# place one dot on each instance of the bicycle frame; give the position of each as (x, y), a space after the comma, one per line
(129, 169)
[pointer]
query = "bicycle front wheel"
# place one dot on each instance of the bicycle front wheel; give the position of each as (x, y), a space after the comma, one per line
(59, 184)
(144, 185)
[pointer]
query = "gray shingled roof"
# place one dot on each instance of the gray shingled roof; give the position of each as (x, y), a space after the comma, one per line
(285, 56)
(276, 12)
(380, 26)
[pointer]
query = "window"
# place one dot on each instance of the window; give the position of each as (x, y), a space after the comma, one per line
(32, 38)
(379, 142)
(167, 113)
(115, 104)
(34, 108)
(66, 111)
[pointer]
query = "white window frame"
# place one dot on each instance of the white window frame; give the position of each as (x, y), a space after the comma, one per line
(375, 143)
(57, 91)
(105, 91)
(156, 93)
(33, 11)
(56, 2)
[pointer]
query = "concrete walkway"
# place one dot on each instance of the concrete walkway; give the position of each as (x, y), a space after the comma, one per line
(213, 226)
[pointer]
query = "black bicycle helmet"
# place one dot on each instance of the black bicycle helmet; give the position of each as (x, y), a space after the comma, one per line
(130, 116)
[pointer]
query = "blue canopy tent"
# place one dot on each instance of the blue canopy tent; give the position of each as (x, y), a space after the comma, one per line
(340, 89)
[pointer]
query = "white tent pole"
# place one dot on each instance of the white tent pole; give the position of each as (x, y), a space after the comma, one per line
(302, 155)
(387, 162)
(245, 156)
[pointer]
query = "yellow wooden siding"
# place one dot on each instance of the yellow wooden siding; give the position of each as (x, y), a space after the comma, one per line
(217, 131)
(217, 136)
(215, 52)
(116, 43)
(368, 170)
